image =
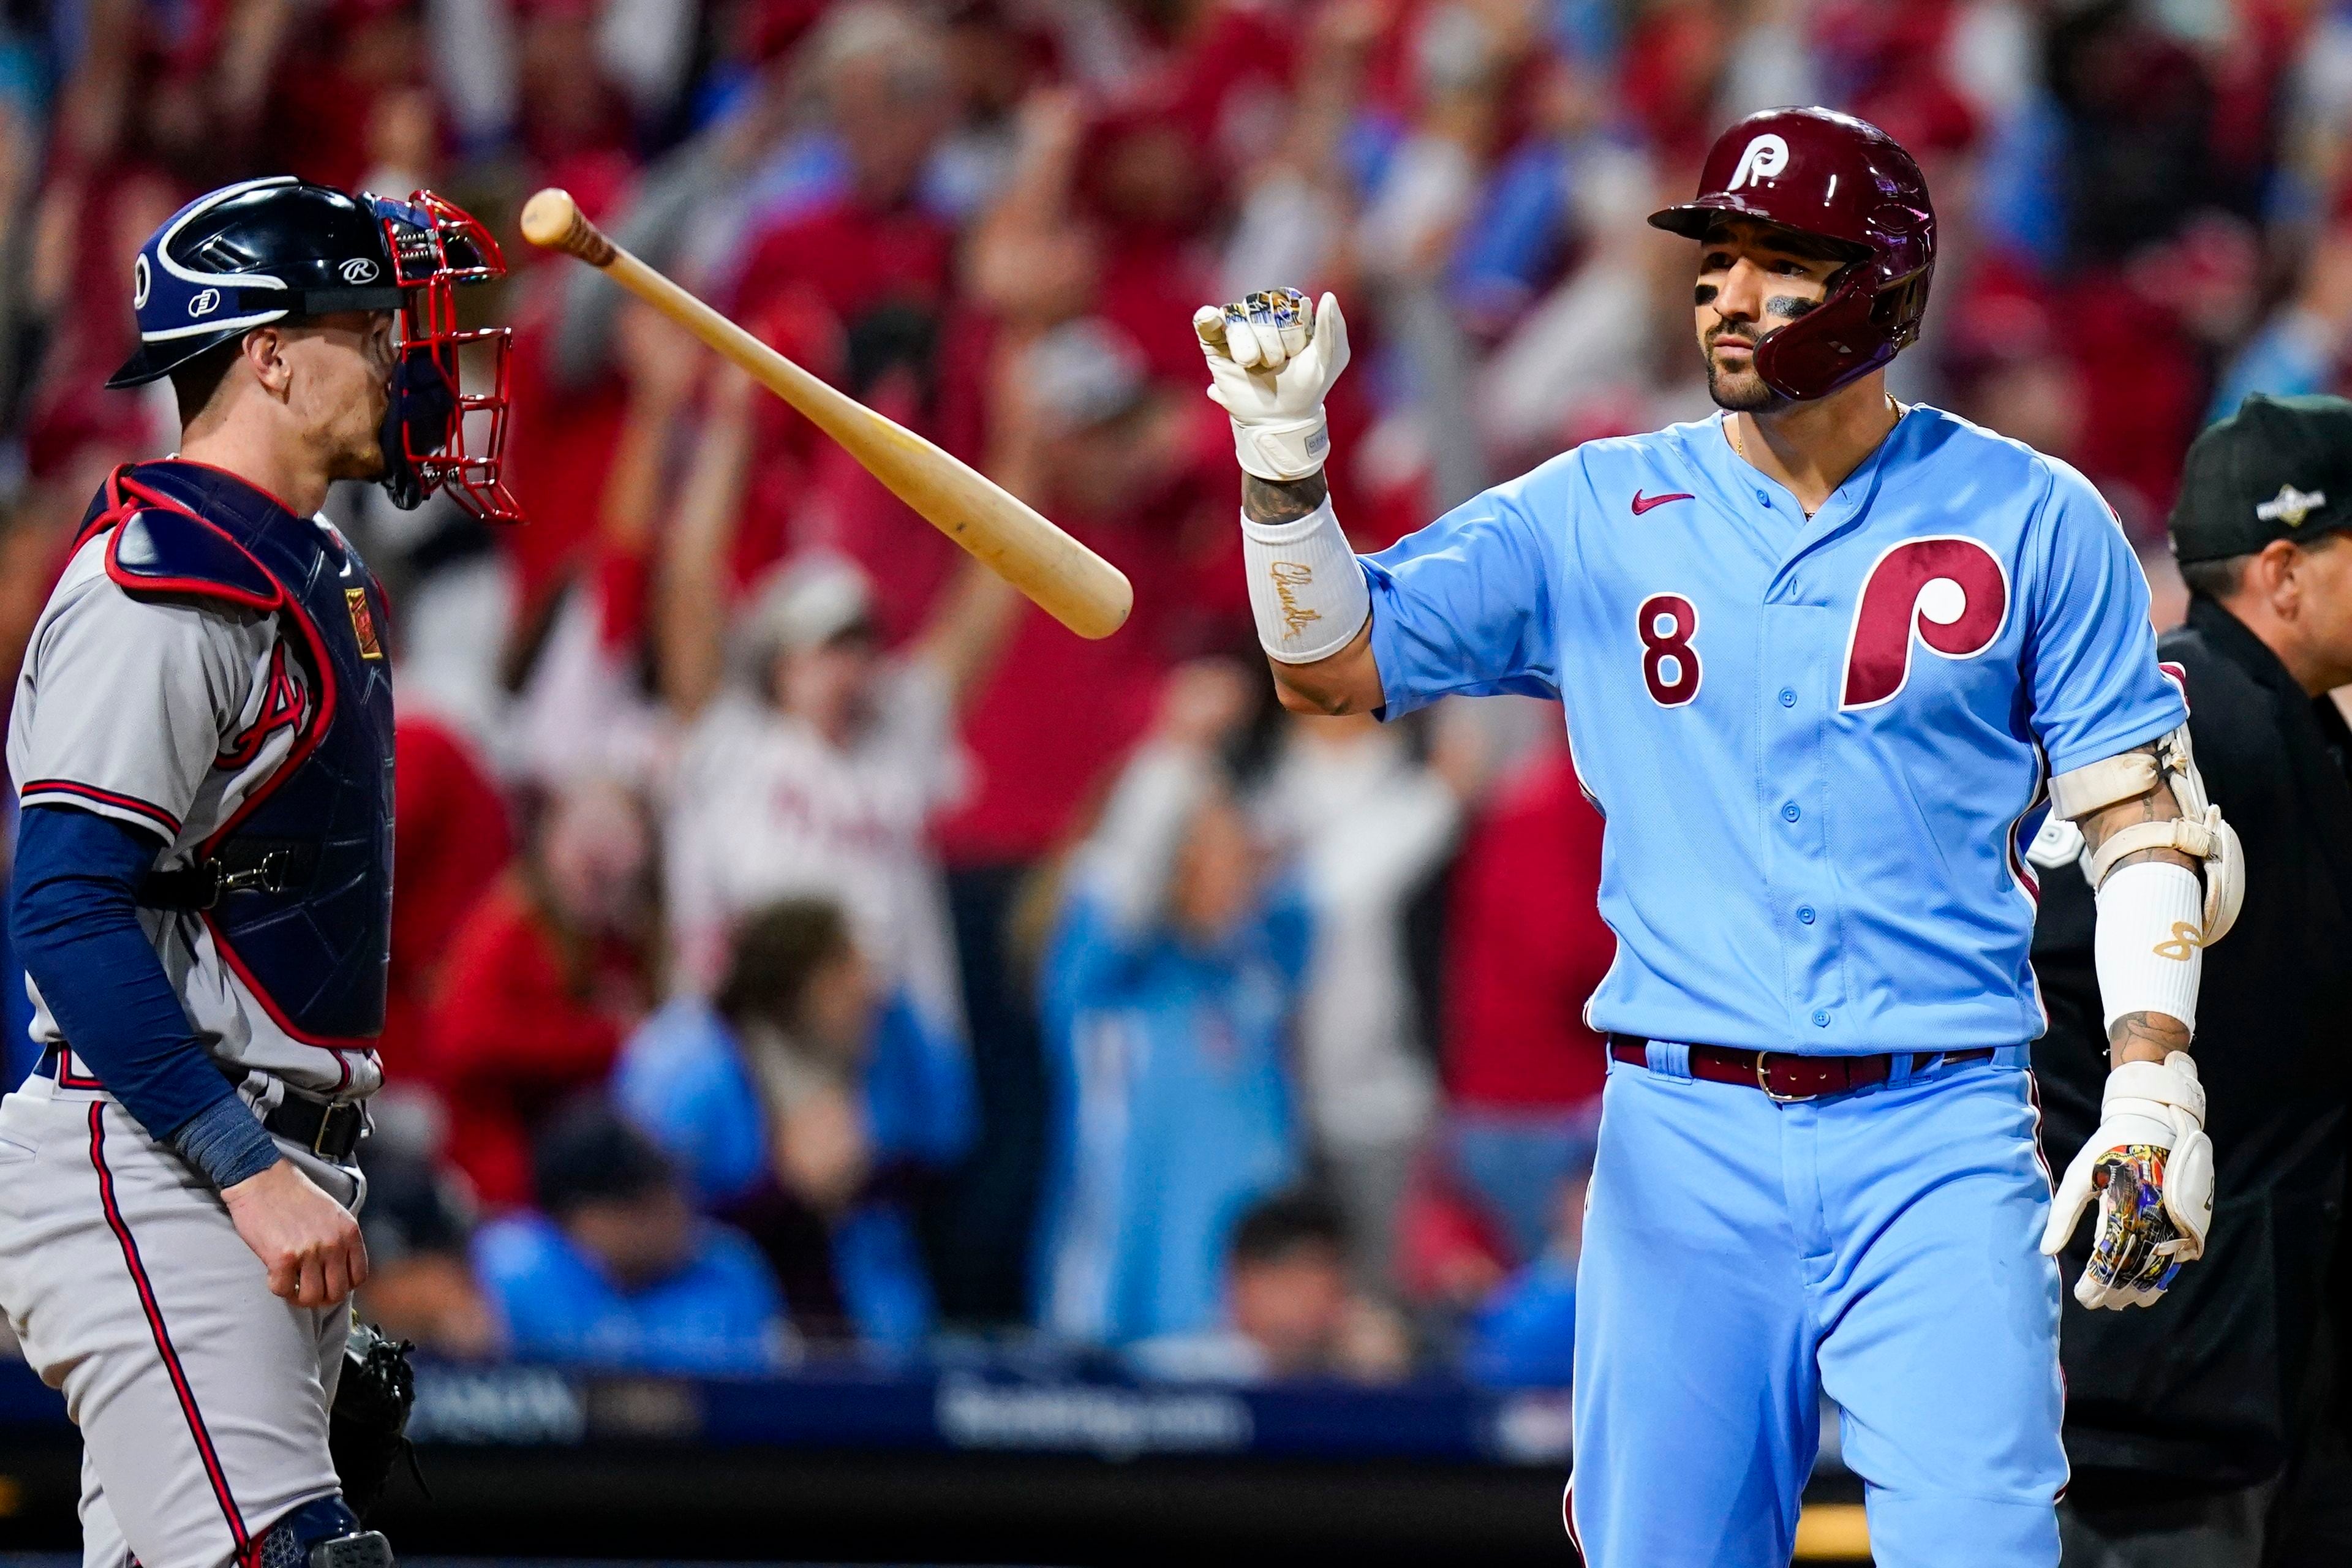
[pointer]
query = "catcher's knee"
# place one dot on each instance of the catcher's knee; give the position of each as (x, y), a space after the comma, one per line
(322, 1533)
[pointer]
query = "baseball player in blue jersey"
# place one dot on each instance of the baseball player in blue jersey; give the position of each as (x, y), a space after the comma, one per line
(1824, 659)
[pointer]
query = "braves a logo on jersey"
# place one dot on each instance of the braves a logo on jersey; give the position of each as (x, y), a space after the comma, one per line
(282, 708)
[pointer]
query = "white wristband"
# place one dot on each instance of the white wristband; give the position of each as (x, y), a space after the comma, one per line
(1281, 450)
(1306, 587)
(2149, 949)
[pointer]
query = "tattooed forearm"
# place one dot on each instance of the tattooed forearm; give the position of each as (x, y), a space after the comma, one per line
(2155, 806)
(2140, 1036)
(1282, 500)
(2144, 1037)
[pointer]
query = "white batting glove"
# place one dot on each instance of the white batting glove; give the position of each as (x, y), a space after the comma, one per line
(1269, 366)
(2151, 1167)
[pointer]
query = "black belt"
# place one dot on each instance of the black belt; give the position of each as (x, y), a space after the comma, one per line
(1785, 1076)
(329, 1128)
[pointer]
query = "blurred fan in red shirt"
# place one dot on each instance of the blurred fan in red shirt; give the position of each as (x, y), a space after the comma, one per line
(450, 841)
(861, 288)
(329, 73)
(1138, 470)
(541, 982)
(561, 435)
(1527, 948)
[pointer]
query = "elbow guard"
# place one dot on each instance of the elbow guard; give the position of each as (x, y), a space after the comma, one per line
(2197, 832)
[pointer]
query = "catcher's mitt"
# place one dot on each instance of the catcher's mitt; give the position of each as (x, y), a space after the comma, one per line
(367, 1430)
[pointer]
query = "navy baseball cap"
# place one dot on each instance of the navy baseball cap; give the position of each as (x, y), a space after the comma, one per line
(589, 1154)
(2280, 468)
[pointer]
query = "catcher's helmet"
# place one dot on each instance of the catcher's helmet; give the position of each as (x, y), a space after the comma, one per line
(1840, 179)
(248, 255)
(282, 249)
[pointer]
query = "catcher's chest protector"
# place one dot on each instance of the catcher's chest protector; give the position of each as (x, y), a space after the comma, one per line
(297, 886)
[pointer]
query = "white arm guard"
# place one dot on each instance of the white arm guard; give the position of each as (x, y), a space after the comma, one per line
(1306, 587)
(2199, 831)
(2147, 953)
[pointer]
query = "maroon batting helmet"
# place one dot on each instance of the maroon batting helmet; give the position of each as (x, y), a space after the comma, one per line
(1841, 179)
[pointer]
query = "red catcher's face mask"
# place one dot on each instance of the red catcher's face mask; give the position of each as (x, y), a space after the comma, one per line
(442, 432)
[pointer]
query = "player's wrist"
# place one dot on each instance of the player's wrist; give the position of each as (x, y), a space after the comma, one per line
(2155, 1089)
(2141, 1048)
(226, 1143)
(1281, 451)
(2126, 1129)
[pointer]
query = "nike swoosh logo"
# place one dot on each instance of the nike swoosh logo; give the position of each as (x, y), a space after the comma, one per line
(1642, 503)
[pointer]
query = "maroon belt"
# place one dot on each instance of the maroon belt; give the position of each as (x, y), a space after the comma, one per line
(1787, 1078)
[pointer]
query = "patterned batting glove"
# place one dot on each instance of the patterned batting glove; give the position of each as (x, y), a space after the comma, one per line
(2150, 1165)
(1270, 365)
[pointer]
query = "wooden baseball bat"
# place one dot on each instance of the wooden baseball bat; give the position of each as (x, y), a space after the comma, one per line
(1068, 580)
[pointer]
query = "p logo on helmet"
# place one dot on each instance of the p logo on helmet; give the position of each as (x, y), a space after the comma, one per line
(1765, 157)
(1819, 172)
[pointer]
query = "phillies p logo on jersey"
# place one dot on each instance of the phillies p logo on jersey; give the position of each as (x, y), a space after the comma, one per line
(1950, 590)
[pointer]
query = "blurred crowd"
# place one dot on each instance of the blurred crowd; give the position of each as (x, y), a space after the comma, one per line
(803, 945)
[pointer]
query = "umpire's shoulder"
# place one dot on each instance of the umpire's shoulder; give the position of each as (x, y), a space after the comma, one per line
(2224, 701)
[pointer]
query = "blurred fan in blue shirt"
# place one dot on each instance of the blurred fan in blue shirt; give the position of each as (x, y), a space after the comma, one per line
(1169, 989)
(618, 1272)
(1525, 1334)
(1291, 1312)
(811, 1109)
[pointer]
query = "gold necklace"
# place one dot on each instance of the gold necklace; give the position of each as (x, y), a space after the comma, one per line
(1731, 426)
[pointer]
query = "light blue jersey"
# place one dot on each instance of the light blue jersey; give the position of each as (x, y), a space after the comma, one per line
(1818, 743)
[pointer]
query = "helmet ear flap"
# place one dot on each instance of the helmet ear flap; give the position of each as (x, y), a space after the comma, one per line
(1838, 343)
(1897, 309)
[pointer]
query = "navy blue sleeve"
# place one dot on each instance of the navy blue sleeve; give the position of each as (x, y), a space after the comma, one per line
(75, 918)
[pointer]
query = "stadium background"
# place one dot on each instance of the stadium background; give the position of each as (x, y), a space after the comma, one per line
(1250, 1226)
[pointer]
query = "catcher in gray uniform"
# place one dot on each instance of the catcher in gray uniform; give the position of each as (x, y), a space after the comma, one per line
(202, 744)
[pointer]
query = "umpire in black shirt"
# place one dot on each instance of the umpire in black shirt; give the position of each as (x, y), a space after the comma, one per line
(2211, 1429)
